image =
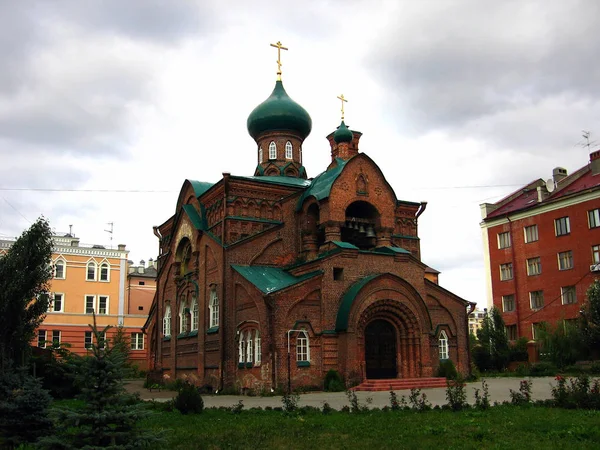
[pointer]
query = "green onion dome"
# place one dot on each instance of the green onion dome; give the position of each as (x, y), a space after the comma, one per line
(342, 134)
(279, 112)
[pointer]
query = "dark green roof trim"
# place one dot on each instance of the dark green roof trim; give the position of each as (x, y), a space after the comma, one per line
(303, 363)
(284, 181)
(345, 245)
(254, 219)
(391, 250)
(200, 187)
(212, 330)
(341, 323)
(271, 279)
(195, 218)
(403, 236)
(259, 170)
(321, 185)
(330, 332)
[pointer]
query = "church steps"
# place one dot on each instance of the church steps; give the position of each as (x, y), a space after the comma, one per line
(398, 384)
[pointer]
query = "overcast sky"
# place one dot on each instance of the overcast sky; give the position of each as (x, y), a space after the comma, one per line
(460, 102)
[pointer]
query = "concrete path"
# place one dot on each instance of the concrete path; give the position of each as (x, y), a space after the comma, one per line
(499, 390)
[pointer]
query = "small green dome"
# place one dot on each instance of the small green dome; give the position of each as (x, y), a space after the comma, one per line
(342, 134)
(279, 112)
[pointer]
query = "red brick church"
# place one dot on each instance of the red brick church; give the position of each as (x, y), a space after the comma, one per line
(272, 279)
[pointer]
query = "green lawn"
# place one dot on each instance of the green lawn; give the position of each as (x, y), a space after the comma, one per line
(500, 427)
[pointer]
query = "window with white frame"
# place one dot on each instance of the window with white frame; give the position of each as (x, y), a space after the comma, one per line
(137, 341)
(249, 347)
(562, 226)
(260, 155)
(249, 350)
(104, 272)
(41, 342)
(91, 271)
(506, 272)
(504, 240)
(536, 299)
(87, 339)
(195, 315)
(288, 150)
(56, 338)
(511, 332)
(56, 302)
(594, 218)
(531, 233)
(102, 304)
(443, 345)
(242, 348)
(59, 269)
(167, 321)
(213, 308)
(568, 295)
(272, 150)
(184, 313)
(508, 303)
(536, 329)
(534, 266)
(565, 260)
(257, 348)
(302, 347)
(90, 304)
(596, 254)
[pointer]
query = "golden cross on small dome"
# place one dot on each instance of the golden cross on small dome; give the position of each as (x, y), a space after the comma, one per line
(343, 99)
(279, 47)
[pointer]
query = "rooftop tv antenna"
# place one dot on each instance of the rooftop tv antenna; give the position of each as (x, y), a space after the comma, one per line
(110, 232)
(586, 140)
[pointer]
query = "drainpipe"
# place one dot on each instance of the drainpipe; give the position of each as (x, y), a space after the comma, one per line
(472, 307)
(222, 311)
(515, 280)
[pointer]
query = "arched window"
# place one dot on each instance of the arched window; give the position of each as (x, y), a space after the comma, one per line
(194, 326)
(104, 272)
(257, 348)
(443, 344)
(59, 269)
(249, 347)
(213, 308)
(167, 321)
(241, 347)
(272, 150)
(184, 312)
(302, 347)
(260, 155)
(91, 271)
(288, 150)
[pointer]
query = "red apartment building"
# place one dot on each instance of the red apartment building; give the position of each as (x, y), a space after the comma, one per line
(542, 248)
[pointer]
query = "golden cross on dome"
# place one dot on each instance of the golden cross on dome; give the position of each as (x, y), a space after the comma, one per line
(343, 99)
(279, 47)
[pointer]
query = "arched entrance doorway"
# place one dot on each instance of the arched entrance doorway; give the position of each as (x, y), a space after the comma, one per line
(380, 350)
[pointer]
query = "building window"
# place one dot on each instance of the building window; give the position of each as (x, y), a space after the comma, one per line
(260, 155)
(302, 347)
(596, 254)
(504, 240)
(272, 150)
(562, 226)
(91, 271)
(511, 332)
(338, 273)
(59, 270)
(257, 348)
(531, 234)
(536, 329)
(565, 260)
(101, 339)
(102, 304)
(56, 303)
(288, 150)
(594, 218)
(213, 308)
(536, 299)
(534, 266)
(508, 303)
(137, 341)
(87, 340)
(41, 339)
(568, 295)
(241, 348)
(249, 347)
(506, 272)
(90, 304)
(167, 321)
(104, 272)
(443, 344)
(195, 313)
(184, 313)
(56, 338)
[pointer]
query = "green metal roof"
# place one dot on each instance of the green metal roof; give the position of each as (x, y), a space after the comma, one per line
(194, 217)
(341, 323)
(321, 185)
(271, 279)
(342, 134)
(200, 187)
(286, 181)
(391, 250)
(344, 245)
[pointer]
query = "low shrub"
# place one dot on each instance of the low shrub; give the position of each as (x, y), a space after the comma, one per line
(447, 369)
(482, 400)
(523, 396)
(418, 401)
(456, 394)
(188, 400)
(543, 369)
(577, 393)
(290, 401)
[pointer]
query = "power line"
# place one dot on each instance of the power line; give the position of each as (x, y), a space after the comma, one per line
(9, 204)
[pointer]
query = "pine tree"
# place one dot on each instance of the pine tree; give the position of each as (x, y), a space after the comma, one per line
(109, 418)
(590, 319)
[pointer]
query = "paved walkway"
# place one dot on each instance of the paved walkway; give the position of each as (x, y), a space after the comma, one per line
(499, 390)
